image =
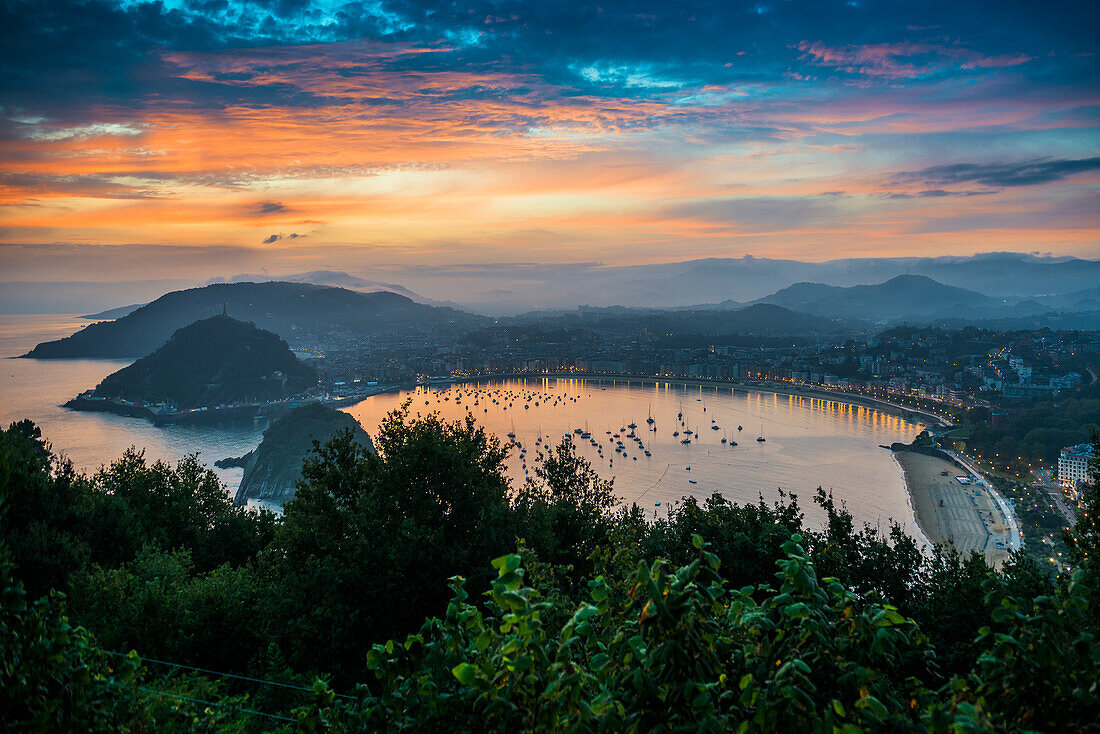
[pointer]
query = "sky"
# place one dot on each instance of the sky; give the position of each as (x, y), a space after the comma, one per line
(202, 138)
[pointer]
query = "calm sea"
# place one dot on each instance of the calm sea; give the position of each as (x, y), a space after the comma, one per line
(809, 443)
(36, 389)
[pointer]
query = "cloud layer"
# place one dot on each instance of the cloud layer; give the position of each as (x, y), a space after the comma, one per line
(417, 133)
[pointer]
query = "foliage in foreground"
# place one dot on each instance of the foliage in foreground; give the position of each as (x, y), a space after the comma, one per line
(664, 648)
(600, 622)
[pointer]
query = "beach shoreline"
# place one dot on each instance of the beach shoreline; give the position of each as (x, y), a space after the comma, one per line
(965, 517)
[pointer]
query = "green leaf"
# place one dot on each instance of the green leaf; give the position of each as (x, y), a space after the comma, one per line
(506, 564)
(465, 673)
(797, 611)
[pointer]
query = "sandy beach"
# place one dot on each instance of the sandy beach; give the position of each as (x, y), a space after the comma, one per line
(951, 513)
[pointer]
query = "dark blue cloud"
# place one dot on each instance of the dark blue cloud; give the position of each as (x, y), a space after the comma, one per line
(79, 52)
(1001, 175)
(272, 239)
(265, 208)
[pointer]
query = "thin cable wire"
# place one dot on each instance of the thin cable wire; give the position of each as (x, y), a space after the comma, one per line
(227, 675)
(661, 479)
(192, 699)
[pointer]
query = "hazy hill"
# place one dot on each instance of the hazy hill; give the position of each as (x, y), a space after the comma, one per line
(300, 313)
(1010, 276)
(903, 296)
(1053, 320)
(759, 319)
(272, 470)
(114, 313)
(332, 278)
(211, 362)
(1087, 299)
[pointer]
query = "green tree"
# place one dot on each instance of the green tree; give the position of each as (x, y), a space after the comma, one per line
(565, 511)
(1083, 539)
(366, 546)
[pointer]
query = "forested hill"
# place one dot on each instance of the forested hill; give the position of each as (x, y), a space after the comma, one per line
(210, 362)
(301, 313)
(272, 470)
(903, 296)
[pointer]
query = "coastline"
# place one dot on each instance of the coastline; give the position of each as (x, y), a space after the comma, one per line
(916, 528)
(949, 513)
(971, 517)
(912, 414)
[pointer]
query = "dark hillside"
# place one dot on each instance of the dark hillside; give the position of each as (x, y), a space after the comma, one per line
(300, 313)
(211, 362)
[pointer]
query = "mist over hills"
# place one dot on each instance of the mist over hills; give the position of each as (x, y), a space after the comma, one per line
(334, 278)
(309, 314)
(300, 313)
(503, 289)
(916, 299)
(746, 279)
(759, 319)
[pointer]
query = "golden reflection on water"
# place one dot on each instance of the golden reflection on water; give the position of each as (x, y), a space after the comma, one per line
(810, 441)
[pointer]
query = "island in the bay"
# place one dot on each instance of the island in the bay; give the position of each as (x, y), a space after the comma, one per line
(219, 366)
(272, 470)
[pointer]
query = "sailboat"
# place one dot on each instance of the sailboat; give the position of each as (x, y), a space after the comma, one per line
(650, 420)
(761, 438)
(512, 433)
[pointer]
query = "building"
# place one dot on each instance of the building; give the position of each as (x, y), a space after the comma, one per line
(1073, 465)
(1066, 382)
(1024, 390)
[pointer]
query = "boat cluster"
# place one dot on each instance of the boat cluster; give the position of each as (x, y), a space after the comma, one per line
(502, 397)
(625, 444)
(688, 433)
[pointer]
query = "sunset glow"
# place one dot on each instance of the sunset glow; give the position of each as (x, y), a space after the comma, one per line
(293, 135)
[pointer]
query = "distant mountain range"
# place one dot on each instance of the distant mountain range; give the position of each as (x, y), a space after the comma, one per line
(308, 315)
(917, 299)
(749, 278)
(508, 289)
(300, 313)
(334, 278)
(912, 296)
(1007, 276)
(211, 362)
(1056, 282)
